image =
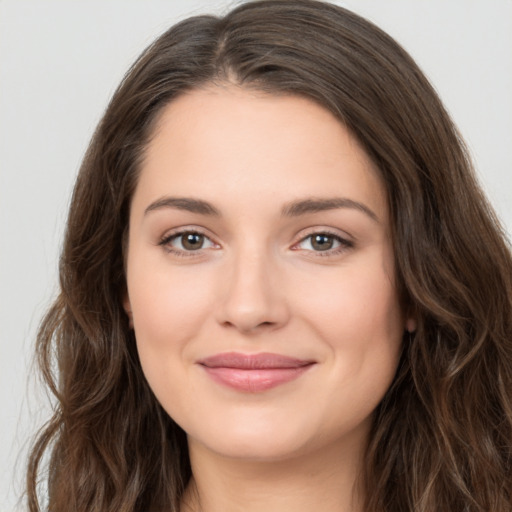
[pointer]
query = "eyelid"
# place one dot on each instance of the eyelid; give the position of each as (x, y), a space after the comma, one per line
(346, 241)
(182, 230)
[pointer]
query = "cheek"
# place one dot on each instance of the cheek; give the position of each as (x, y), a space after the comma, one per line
(169, 309)
(361, 324)
(165, 300)
(358, 316)
(353, 303)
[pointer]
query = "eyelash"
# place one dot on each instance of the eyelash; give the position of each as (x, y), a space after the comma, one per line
(167, 239)
(344, 243)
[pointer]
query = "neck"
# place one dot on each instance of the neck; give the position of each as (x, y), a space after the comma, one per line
(325, 480)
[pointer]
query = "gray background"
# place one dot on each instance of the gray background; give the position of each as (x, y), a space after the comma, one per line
(60, 62)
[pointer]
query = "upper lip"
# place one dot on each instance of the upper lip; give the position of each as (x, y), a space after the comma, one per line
(263, 360)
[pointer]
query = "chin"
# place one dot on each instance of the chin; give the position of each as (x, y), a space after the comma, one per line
(252, 440)
(255, 449)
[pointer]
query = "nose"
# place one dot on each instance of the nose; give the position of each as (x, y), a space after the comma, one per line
(253, 298)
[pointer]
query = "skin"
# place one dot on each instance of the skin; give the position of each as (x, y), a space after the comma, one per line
(259, 284)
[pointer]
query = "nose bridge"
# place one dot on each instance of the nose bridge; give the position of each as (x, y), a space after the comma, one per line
(252, 297)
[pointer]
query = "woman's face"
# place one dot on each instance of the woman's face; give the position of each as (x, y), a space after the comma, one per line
(260, 275)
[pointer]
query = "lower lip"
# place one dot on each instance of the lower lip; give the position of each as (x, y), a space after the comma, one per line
(255, 380)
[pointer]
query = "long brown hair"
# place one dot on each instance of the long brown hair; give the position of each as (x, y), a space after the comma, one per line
(442, 436)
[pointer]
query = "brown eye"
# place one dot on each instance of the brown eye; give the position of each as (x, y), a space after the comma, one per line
(187, 241)
(322, 242)
(192, 241)
(325, 243)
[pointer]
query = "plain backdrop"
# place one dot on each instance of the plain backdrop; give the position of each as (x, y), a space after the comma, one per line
(59, 64)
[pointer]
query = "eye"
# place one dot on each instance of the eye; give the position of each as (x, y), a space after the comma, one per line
(187, 241)
(324, 242)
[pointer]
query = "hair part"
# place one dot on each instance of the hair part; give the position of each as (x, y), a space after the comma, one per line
(442, 436)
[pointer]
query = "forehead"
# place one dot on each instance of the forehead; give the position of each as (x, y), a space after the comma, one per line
(222, 142)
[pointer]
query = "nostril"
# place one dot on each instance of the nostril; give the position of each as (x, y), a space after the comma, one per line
(248, 326)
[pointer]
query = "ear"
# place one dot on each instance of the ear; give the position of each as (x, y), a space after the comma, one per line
(128, 309)
(410, 324)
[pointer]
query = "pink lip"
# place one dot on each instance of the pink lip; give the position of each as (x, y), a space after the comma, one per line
(254, 372)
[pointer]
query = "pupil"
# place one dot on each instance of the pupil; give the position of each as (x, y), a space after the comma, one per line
(322, 242)
(193, 241)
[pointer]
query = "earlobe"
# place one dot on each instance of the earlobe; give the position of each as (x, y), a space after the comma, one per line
(410, 325)
(128, 310)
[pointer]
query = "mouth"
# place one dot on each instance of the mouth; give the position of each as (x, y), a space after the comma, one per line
(254, 373)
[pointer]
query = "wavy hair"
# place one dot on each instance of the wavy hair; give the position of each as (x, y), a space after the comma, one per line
(442, 436)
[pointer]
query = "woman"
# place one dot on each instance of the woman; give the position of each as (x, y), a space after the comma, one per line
(282, 287)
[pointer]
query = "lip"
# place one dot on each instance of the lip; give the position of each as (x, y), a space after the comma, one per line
(254, 372)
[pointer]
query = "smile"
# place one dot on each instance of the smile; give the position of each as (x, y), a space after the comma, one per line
(254, 373)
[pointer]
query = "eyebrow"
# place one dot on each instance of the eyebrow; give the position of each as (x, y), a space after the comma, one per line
(184, 203)
(314, 205)
(291, 209)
